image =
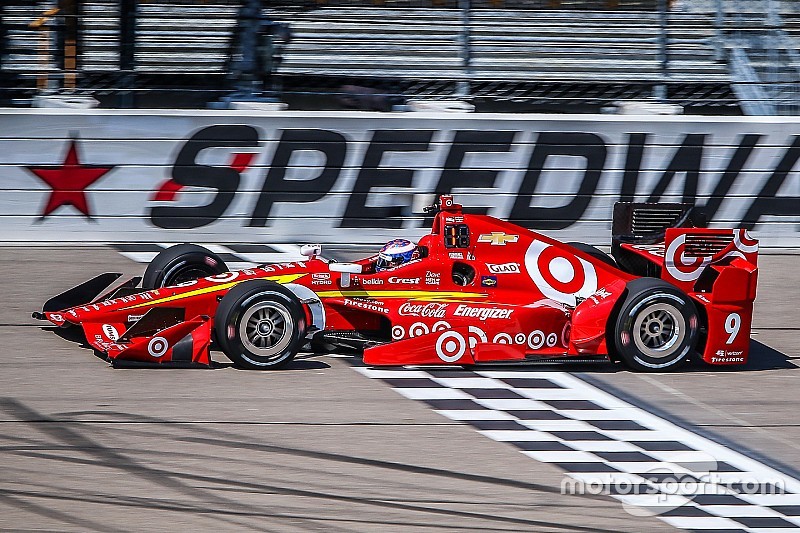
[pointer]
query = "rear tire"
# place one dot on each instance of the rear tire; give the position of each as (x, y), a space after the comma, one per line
(260, 325)
(657, 326)
(594, 252)
(181, 263)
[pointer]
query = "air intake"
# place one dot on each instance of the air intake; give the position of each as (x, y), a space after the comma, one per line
(654, 220)
(705, 245)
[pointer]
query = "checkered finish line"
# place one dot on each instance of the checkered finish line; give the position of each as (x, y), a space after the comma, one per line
(236, 255)
(608, 446)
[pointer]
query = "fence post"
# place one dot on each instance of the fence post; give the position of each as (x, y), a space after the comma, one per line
(462, 87)
(127, 51)
(719, 30)
(71, 13)
(660, 90)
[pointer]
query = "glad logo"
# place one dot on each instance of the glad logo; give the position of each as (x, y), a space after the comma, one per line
(428, 310)
(505, 268)
(404, 281)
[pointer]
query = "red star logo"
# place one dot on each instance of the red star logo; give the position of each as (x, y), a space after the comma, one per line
(69, 181)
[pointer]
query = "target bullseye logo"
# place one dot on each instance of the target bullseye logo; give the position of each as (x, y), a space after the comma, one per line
(744, 242)
(222, 278)
(679, 266)
(558, 274)
(450, 346)
(157, 347)
(418, 329)
(476, 335)
(441, 326)
(398, 332)
(552, 339)
(536, 339)
(502, 338)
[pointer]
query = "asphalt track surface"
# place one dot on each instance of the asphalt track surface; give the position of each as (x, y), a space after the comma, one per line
(319, 446)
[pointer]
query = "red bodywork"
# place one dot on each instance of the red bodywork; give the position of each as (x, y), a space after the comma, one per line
(529, 297)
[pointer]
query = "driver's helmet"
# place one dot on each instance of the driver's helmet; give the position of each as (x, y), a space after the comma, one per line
(395, 253)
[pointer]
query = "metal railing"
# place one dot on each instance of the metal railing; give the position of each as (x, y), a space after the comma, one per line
(569, 55)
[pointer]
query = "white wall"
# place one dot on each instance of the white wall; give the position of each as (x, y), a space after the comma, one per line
(577, 171)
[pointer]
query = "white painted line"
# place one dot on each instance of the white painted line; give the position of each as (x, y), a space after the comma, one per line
(512, 404)
(511, 435)
(433, 394)
(663, 466)
(478, 414)
(740, 510)
(471, 383)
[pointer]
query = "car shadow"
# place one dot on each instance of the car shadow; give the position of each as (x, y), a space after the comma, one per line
(75, 335)
(762, 357)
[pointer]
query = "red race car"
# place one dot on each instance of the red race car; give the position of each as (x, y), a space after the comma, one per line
(476, 290)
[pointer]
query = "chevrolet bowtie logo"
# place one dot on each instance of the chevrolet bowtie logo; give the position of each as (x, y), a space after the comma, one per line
(498, 238)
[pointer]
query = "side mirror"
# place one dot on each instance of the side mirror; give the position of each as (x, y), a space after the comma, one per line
(311, 250)
(346, 269)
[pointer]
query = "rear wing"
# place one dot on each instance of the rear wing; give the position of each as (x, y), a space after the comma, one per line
(639, 223)
(717, 268)
(646, 223)
(671, 241)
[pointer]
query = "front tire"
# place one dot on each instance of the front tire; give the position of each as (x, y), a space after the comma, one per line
(181, 263)
(657, 326)
(260, 325)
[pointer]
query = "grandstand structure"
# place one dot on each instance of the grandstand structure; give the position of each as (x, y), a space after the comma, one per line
(709, 56)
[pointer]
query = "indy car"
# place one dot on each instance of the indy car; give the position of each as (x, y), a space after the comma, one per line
(478, 291)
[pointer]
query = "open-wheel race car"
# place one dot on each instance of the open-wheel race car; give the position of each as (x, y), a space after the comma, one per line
(476, 290)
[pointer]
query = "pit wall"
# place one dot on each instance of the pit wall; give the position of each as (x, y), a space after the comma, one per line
(351, 177)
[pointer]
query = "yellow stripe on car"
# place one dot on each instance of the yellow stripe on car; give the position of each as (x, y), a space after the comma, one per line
(411, 295)
(284, 278)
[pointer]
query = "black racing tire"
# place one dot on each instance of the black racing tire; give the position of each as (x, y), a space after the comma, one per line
(657, 326)
(594, 252)
(260, 325)
(181, 263)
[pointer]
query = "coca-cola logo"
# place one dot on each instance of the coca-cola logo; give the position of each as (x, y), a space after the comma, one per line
(427, 310)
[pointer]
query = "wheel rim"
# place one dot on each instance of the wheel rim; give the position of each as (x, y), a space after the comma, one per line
(659, 330)
(266, 329)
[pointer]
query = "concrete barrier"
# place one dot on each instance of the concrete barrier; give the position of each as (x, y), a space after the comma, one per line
(228, 176)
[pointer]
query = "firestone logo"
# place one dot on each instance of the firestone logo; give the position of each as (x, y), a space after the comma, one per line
(428, 310)
(369, 306)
